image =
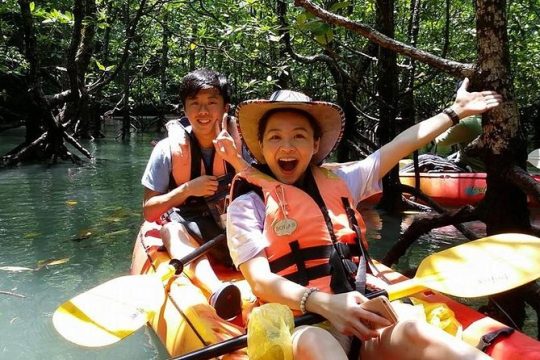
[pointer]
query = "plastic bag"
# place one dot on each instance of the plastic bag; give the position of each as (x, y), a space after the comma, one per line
(270, 328)
(441, 316)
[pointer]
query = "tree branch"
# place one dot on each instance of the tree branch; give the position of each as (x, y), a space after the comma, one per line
(451, 67)
(130, 33)
(425, 225)
(525, 182)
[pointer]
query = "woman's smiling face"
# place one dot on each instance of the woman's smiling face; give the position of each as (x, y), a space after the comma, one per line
(288, 144)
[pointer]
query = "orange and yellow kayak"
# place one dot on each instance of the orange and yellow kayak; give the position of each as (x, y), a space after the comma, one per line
(186, 322)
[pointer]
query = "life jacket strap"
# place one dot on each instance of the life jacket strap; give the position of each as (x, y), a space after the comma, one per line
(299, 257)
(312, 273)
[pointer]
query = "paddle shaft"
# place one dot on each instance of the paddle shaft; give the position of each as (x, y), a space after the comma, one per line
(240, 342)
(179, 264)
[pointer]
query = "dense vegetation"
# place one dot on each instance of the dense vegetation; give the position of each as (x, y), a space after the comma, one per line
(129, 56)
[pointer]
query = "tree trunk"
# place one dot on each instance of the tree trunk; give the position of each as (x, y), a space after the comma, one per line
(504, 207)
(164, 65)
(126, 121)
(502, 142)
(387, 88)
(281, 11)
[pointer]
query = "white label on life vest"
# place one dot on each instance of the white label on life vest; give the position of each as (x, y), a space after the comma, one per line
(285, 227)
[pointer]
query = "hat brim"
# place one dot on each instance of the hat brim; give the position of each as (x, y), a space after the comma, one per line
(329, 116)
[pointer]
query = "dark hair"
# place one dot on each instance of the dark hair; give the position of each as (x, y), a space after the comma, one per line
(317, 132)
(200, 79)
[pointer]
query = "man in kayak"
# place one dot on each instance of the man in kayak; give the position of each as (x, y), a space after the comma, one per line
(294, 232)
(187, 178)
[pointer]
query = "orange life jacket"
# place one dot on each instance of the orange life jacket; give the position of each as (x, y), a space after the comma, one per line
(182, 142)
(295, 226)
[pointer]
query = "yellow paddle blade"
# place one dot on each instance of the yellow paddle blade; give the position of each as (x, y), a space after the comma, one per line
(478, 268)
(534, 158)
(111, 311)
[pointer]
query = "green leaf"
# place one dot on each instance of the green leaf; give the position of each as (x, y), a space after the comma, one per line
(100, 66)
(32, 6)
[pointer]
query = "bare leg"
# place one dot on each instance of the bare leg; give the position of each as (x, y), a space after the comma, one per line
(417, 340)
(314, 343)
(179, 244)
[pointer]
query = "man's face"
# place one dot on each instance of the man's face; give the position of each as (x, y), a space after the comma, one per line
(205, 112)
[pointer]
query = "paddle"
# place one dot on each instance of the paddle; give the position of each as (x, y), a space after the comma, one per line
(113, 310)
(534, 158)
(478, 268)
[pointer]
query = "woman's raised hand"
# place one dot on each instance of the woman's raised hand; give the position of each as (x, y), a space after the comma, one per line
(474, 103)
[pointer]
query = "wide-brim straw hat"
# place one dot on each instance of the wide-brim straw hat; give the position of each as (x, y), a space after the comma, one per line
(329, 116)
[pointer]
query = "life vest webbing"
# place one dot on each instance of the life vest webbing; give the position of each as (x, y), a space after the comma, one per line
(196, 157)
(371, 269)
(349, 269)
(312, 273)
(300, 262)
(310, 253)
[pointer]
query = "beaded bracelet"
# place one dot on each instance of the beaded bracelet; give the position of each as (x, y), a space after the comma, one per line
(452, 115)
(305, 297)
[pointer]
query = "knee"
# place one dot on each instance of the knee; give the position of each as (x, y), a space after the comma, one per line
(312, 342)
(173, 231)
(414, 332)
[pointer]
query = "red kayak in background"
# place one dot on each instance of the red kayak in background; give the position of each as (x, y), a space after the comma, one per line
(450, 189)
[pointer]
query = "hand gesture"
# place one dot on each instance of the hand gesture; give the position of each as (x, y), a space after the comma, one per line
(205, 185)
(224, 143)
(474, 103)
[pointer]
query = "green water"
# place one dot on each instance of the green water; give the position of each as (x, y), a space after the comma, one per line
(86, 218)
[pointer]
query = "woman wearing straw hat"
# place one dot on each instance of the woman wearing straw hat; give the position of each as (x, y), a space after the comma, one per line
(292, 222)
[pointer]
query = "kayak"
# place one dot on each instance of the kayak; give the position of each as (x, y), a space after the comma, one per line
(186, 322)
(449, 189)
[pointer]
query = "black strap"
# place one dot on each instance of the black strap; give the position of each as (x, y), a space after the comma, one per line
(354, 225)
(343, 276)
(300, 262)
(489, 338)
(196, 157)
(312, 273)
(310, 186)
(354, 351)
(311, 253)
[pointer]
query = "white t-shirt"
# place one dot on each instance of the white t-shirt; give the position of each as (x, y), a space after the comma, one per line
(246, 214)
